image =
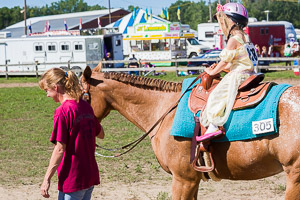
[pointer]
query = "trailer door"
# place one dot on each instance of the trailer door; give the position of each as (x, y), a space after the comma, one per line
(3, 57)
(114, 44)
(65, 52)
(94, 50)
(39, 54)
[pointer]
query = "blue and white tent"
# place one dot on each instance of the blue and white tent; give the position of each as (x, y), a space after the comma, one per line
(135, 17)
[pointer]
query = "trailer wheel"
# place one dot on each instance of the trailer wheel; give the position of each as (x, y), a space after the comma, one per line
(64, 68)
(77, 70)
(192, 54)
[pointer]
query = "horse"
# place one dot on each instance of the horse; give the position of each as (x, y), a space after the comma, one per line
(144, 100)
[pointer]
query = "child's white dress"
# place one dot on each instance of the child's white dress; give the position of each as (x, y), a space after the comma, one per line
(221, 99)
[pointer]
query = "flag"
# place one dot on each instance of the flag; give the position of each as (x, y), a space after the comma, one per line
(80, 25)
(146, 14)
(162, 14)
(168, 17)
(165, 12)
(46, 27)
(99, 22)
(151, 14)
(178, 13)
(29, 27)
(66, 26)
(49, 27)
(134, 14)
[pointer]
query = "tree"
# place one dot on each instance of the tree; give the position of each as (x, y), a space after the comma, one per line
(191, 13)
(131, 8)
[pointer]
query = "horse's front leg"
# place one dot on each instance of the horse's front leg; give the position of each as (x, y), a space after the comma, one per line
(185, 188)
(292, 183)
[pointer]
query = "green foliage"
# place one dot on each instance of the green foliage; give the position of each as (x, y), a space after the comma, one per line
(131, 8)
(13, 15)
(192, 13)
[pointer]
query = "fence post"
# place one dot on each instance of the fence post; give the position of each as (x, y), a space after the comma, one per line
(36, 69)
(6, 69)
(176, 65)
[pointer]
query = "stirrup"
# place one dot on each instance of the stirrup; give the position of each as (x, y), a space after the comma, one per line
(208, 136)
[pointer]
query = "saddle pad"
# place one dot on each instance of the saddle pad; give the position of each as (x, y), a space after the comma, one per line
(239, 124)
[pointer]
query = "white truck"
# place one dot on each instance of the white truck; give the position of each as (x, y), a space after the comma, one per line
(21, 54)
(195, 48)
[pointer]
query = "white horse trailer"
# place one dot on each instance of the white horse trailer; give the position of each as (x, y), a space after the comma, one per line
(66, 52)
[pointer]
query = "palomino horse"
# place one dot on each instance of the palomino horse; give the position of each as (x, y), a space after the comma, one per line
(144, 100)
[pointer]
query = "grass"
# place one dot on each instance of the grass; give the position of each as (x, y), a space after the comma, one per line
(26, 116)
(19, 79)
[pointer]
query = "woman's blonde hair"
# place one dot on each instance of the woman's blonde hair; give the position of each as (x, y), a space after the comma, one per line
(67, 80)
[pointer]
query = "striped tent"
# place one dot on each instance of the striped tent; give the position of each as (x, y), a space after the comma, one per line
(135, 17)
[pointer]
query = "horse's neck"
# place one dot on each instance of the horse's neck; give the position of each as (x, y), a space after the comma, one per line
(143, 107)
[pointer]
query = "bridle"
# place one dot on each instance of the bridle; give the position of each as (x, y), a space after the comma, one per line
(85, 91)
(86, 96)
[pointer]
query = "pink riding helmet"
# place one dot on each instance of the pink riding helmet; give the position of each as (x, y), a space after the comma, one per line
(236, 11)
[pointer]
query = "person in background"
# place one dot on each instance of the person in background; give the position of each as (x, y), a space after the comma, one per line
(270, 51)
(133, 64)
(215, 48)
(74, 133)
(257, 48)
(264, 52)
(287, 53)
(108, 58)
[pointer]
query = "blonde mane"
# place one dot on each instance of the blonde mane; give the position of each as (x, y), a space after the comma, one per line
(149, 83)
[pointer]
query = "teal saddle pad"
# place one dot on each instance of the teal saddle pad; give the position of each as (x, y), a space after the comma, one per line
(239, 125)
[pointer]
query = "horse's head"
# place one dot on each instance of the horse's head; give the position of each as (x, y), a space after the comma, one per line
(91, 81)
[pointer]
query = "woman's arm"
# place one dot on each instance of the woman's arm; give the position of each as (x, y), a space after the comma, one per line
(55, 160)
(101, 134)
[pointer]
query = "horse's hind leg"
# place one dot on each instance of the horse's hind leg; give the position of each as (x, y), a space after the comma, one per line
(292, 184)
(184, 189)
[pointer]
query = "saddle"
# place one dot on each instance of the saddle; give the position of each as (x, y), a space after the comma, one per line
(250, 93)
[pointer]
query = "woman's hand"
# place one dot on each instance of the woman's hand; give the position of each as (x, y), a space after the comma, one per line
(45, 188)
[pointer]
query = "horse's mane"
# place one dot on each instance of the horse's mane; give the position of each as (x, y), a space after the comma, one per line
(149, 83)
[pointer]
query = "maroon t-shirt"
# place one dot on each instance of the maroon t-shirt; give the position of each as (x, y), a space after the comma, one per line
(76, 126)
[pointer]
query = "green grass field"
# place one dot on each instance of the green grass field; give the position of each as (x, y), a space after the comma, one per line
(26, 116)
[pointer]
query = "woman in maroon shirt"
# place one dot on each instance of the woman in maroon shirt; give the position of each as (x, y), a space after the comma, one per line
(75, 129)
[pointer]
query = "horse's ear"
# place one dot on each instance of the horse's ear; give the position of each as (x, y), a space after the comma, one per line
(98, 67)
(87, 73)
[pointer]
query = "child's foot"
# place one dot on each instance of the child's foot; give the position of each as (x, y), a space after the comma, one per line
(208, 136)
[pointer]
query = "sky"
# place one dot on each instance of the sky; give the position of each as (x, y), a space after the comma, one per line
(155, 5)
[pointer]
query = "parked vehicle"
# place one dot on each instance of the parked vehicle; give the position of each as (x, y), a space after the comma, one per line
(209, 54)
(195, 48)
(22, 53)
(276, 33)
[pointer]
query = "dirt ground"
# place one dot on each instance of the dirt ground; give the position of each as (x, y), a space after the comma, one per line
(271, 188)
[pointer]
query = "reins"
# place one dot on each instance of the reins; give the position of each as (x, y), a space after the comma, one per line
(137, 141)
